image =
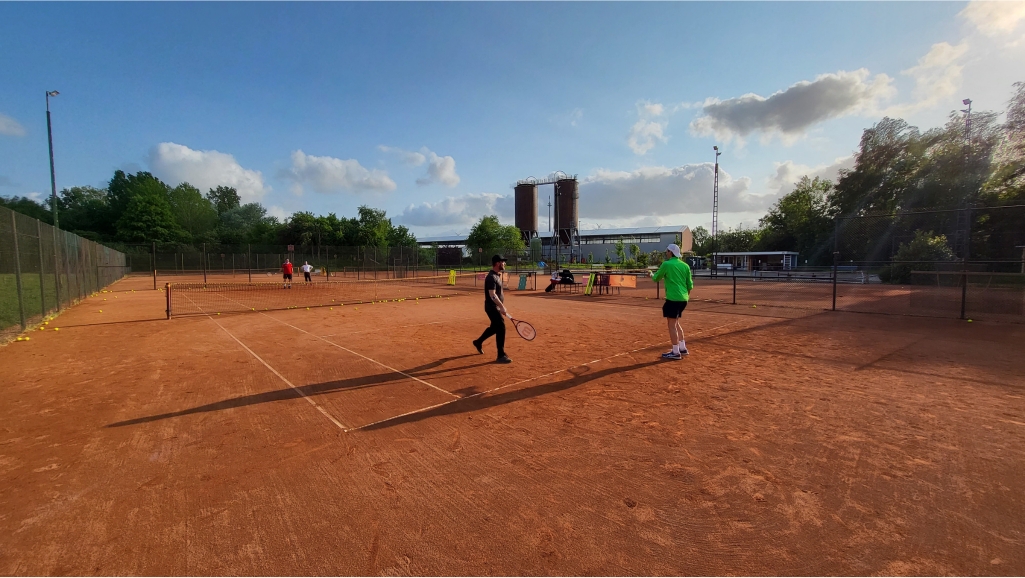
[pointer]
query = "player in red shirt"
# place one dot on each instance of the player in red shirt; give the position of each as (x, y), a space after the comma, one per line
(286, 271)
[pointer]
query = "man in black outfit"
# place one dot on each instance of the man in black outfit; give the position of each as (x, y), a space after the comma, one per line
(494, 306)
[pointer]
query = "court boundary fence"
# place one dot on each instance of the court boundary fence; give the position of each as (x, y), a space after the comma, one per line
(44, 270)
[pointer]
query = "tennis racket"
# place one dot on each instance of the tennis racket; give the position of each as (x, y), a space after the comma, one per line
(524, 329)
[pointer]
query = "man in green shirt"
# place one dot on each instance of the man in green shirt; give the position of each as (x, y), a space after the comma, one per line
(679, 282)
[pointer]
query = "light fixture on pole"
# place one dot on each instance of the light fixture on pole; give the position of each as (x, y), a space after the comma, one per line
(53, 179)
(715, 209)
(967, 127)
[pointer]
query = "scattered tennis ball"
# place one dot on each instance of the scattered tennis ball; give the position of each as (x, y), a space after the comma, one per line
(218, 313)
(332, 309)
(307, 308)
(27, 338)
(101, 310)
(969, 321)
(754, 306)
(104, 298)
(56, 328)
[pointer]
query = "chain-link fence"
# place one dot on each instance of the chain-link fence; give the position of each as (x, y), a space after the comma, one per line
(43, 269)
(213, 262)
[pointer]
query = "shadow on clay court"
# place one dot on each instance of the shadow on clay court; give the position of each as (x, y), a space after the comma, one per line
(464, 405)
(307, 390)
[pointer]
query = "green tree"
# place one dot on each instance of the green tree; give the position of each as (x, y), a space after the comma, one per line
(148, 218)
(399, 236)
(124, 187)
(800, 221)
(27, 206)
(193, 212)
(739, 239)
(373, 227)
(84, 211)
(620, 250)
(491, 236)
(246, 224)
(920, 254)
(224, 199)
(702, 241)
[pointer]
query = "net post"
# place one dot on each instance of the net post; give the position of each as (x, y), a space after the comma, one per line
(836, 259)
(167, 295)
(202, 259)
(249, 262)
(734, 286)
(17, 269)
(42, 284)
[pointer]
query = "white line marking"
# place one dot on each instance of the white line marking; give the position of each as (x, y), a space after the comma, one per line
(388, 367)
(478, 394)
(275, 372)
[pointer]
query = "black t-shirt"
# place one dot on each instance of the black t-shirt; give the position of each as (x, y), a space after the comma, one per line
(492, 281)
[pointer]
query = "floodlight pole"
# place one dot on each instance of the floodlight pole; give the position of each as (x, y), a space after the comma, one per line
(53, 179)
(715, 211)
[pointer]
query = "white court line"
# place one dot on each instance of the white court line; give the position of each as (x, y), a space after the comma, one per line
(522, 381)
(275, 372)
(388, 367)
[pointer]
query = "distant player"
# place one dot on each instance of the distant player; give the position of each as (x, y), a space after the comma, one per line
(286, 274)
(494, 306)
(306, 271)
(554, 281)
(679, 283)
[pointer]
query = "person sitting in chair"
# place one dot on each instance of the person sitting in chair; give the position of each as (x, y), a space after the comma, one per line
(567, 277)
(555, 281)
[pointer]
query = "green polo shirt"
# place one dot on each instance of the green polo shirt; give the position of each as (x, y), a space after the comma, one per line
(679, 280)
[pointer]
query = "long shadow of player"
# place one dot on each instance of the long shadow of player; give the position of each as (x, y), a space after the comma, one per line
(485, 401)
(307, 390)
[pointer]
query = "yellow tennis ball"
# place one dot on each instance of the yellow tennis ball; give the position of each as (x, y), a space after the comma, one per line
(969, 321)
(27, 338)
(307, 308)
(101, 310)
(56, 328)
(218, 313)
(332, 309)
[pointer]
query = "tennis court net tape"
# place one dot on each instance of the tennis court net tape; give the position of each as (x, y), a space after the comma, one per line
(212, 298)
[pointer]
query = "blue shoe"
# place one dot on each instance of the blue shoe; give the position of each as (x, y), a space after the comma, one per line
(672, 356)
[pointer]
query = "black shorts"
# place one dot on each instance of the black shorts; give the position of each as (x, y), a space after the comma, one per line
(287, 276)
(673, 309)
(307, 276)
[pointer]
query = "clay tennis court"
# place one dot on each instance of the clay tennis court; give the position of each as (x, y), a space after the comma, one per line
(373, 440)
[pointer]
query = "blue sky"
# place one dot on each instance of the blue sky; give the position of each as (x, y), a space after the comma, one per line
(433, 110)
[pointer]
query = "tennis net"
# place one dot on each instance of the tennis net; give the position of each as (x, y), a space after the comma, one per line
(213, 298)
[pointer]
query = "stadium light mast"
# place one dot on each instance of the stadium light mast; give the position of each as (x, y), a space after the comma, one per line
(715, 210)
(53, 179)
(967, 128)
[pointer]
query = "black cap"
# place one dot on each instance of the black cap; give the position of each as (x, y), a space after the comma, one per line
(497, 258)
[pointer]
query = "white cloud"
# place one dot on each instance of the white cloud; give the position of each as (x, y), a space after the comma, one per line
(175, 163)
(937, 77)
(647, 131)
(652, 191)
(439, 170)
(10, 127)
(331, 175)
(788, 173)
(277, 212)
(412, 158)
(571, 118)
(994, 18)
(789, 113)
(461, 210)
(36, 196)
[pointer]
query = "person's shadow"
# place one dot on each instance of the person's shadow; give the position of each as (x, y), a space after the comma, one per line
(470, 401)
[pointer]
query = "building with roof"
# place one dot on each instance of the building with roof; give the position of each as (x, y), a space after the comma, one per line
(598, 243)
(757, 260)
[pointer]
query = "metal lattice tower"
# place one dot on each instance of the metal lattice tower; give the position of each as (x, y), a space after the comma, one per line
(715, 205)
(964, 221)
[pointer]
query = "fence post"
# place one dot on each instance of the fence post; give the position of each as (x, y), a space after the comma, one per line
(42, 283)
(17, 269)
(734, 286)
(964, 286)
(249, 262)
(202, 259)
(56, 267)
(154, 265)
(167, 295)
(836, 259)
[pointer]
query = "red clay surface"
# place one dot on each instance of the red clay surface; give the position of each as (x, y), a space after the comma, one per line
(374, 440)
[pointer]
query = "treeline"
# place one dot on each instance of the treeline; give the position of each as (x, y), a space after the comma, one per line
(900, 170)
(140, 208)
